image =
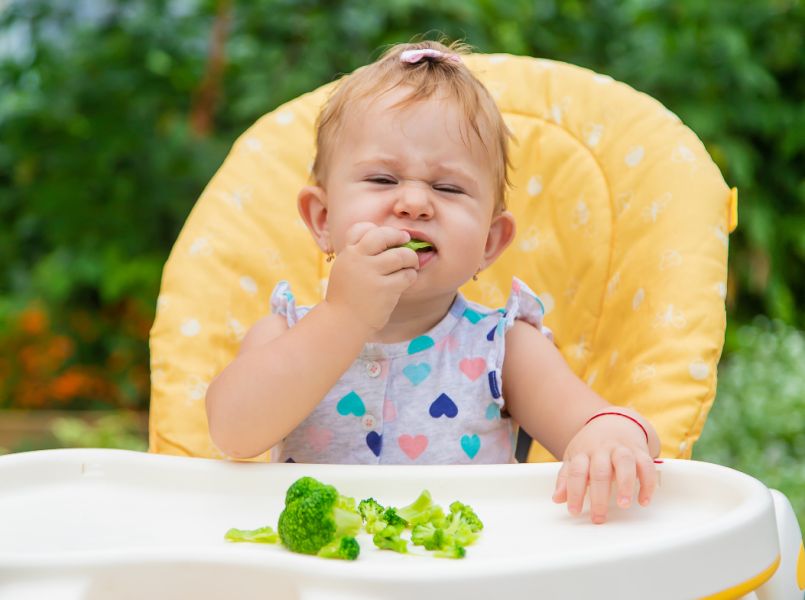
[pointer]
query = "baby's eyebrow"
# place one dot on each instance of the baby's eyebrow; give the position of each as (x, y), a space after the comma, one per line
(383, 162)
(391, 163)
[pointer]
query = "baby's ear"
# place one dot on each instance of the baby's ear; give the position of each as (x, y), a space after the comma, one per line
(312, 205)
(501, 234)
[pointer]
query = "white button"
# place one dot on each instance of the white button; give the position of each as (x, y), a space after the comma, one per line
(373, 368)
(368, 422)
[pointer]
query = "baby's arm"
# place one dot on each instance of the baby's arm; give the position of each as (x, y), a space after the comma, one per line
(281, 373)
(552, 404)
(278, 378)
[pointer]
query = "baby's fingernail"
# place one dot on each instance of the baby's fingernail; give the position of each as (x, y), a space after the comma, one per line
(623, 501)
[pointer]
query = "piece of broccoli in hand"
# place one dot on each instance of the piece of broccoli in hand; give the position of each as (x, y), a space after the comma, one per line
(316, 515)
(415, 245)
(389, 539)
(422, 510)
(345, 548)
(261, 535)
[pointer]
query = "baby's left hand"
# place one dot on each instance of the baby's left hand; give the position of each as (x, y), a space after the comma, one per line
(609, 445)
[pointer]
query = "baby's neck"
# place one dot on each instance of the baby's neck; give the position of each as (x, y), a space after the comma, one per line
(413, 317)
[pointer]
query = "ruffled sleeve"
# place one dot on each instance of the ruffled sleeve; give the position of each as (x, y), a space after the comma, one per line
(283, 303)
(524, 304)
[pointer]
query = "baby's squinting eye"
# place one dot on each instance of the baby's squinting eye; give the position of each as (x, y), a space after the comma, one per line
(381, 180)
(450, 189)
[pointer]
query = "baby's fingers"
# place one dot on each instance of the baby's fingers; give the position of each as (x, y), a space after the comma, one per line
(600, 481)
(380, 239)
(623, 460)
(647, 475)
(560, 491)
(578, 472)
(395, 259)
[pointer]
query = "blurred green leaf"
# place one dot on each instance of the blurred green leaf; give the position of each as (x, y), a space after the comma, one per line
(758, 419)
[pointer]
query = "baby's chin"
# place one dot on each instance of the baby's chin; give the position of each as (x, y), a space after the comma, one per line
(427, 288)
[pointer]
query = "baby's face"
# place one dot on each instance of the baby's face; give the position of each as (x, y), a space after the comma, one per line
(420, 169)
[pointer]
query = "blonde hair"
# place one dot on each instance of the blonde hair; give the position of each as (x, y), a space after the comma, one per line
(426, 77)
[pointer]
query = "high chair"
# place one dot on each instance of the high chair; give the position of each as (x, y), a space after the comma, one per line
(623, 230)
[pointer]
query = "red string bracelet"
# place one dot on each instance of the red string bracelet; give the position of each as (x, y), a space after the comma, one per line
(620, 414)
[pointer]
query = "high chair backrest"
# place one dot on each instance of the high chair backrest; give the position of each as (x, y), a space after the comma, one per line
(623, 223)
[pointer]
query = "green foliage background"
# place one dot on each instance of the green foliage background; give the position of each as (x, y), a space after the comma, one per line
(112, 122)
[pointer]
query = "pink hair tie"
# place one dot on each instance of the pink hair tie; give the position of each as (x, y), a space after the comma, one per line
(414, 56)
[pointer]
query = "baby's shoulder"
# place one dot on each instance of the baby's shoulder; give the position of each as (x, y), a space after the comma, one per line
(266, 329)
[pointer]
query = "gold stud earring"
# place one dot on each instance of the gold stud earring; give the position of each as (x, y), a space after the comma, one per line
(475, 277)
(330, 255)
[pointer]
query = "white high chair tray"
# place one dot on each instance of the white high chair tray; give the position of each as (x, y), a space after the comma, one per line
(113, 524)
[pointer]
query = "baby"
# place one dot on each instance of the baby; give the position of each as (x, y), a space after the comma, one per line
(395, 366)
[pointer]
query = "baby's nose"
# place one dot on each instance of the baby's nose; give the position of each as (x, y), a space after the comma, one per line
(414, 201)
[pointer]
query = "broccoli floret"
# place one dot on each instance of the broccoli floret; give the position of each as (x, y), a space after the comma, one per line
(389, 539)
(451, 552)
(315, 515)
(467, 515)
(392, 517)
(415, 245)
(429, 536)
(448, 536)
(432, 537)
(372, 512)
(345, 548)
(376, 517)
(459, 531)
(422, 510)
(301, 488)
(262, 535)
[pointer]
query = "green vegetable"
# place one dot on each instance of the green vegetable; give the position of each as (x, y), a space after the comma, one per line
(451, 552)
(429, 536)
(372, 513)
(448, 536)
(262, 535)
(417, 245)
(318, 520)
(315, 516)
(391, 517)
(389, 539)
(459, 531)
(421, 510)
(467, 515)
(345, 548)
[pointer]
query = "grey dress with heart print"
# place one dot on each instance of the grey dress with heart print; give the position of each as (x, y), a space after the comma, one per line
(435, 399)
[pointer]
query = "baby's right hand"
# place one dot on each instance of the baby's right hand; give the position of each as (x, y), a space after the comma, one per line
(370, 274)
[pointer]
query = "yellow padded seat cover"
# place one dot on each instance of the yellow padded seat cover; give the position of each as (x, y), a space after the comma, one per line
(623, 223)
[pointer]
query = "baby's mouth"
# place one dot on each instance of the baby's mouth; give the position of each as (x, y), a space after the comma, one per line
(419, 246)
(425, 251)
